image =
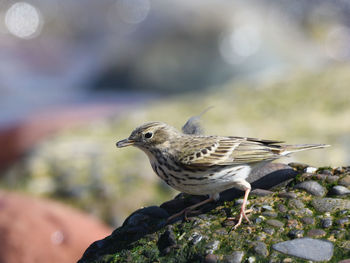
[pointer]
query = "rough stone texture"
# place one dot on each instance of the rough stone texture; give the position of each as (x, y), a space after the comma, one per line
(345, 181)
(306, 248)
(339, 190)
(316, 233)
(235, 257)
(35, 230)
(261, 249)
(330, 204)
(275, 223)
(312, 187)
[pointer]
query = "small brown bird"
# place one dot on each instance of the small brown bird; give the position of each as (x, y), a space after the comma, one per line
(200, 165)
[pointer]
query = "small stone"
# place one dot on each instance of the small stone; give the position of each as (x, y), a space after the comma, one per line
(240, 202)
(342, 221)
(269, 230)
(345, 181)
(296, 233)
(195, 238)
(212, 246)
(321, 177)
(251, 259)
(312, 187)
(330, 204)
(310, 170)
(258, 220)
(326, 223)
(306, 248)
(235, 257)
(166, 240)
(292, 223)
(308, 220)
(339, 170)
(332, 178)
(298, 166)
(287, 260)
(339, 190)
(326, 172)
(296, 203)
(275, 223)
(316, 233)
(282, 208)
(261, 192)
(345, 261)
(288, 195)
(211, 258)
(260, 248)
(269, 214)
(267, 207)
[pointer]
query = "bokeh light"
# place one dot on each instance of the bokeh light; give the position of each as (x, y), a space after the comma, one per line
(23, 20)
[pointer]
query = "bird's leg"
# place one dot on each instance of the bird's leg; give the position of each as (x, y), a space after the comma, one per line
(190, 208)
(243, 210)
(243, 214)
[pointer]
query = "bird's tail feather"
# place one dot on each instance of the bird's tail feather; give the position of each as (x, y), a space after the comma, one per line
(287, 149)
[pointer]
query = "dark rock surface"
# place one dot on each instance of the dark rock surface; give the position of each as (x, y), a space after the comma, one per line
(288, 224)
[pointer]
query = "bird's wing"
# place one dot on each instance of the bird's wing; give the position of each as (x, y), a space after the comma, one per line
(227, 151)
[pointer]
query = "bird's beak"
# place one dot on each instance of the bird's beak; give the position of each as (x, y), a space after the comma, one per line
(124, 143)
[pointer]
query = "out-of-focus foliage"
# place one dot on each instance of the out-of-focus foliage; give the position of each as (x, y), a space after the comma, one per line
(82, 166)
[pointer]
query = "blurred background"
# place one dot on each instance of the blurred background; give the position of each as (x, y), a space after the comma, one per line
(77, 76)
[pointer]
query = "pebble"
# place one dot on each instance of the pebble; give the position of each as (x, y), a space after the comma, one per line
(326, 223)
(269, 230)
(296, 203)
(296, 233)
(332, 178)
(235, 257)
(326, 172)
(212, 246)
(345, 181)
(258, 220)
(269, 214)
(288, 195)
(310, 170)
(282, 208)
(260, 248)
(330, 204)
(275, 223)
(306, 248)
(316, 233)
(312, 187)
(195, 238)
(166, 241)
(321, 177)
(267, 207)
(211, 258)
(342, 221)
(261, 192)
(308, 220)
(339, 170)
(339, 190)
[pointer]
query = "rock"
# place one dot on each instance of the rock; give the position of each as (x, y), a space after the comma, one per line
(195, 238)
(330, 204)
(345, 181)
(310, 170)
(269, 230)
(269, 214)
(316, 233)
(267, 207)
(332, 178)
(260, 248)
(275, 223)
(342, 221)
(261, 192)
(235, 257)
(166, 241)
(282, 208)
(212, 246)
(210, 258)
(345, 261)
(306, 248)
(308, 220)
(326, 222)
(288, 195)
(312, 187)
(296, 203)
(339, 190)
(296, 233)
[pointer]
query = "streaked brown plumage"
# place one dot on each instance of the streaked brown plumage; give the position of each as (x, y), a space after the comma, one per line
(199, 165)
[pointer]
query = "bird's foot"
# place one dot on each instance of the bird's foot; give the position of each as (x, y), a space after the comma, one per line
(242, 214)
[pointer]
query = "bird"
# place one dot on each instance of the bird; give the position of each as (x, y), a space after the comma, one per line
(199, 164)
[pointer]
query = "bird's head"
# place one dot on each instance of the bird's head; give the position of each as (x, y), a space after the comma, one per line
(150, 135)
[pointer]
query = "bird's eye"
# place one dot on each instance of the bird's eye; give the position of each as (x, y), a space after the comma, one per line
(148, 135)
